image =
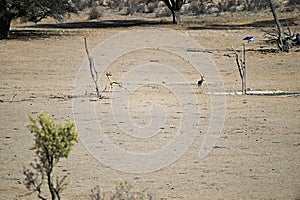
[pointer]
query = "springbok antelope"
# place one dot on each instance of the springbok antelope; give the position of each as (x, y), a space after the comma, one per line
(111, 81)
(200, 82)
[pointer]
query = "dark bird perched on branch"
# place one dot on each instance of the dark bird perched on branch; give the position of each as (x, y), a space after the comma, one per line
(249, 38)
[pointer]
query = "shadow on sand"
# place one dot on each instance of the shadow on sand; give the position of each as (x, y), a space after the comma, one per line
(102, 24)
(256, 24)
(40, 31)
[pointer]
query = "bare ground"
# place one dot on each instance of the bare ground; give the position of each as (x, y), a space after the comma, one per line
(256, 157)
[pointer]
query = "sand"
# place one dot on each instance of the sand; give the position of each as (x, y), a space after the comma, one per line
(257, 152)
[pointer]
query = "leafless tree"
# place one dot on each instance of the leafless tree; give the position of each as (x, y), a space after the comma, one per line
(283, 39)
(241, 64)
(93, 71)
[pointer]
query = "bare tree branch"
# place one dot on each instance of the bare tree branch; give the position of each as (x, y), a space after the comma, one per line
(33, 182)
(238, 60)
(93, 71)
(60, 186)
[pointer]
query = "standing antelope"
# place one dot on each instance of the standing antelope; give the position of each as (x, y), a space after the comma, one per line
(111, 81)
(201, 80)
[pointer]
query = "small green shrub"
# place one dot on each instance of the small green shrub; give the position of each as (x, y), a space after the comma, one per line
(52, 142)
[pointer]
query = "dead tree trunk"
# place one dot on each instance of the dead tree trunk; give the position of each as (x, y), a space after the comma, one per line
(244, 86)
(282, 43)
(241, 64)
(93, 71)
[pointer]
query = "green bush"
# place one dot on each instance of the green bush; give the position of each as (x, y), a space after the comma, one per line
(52, 142)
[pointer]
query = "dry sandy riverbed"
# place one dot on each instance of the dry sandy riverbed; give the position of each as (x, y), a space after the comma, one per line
(256, 156)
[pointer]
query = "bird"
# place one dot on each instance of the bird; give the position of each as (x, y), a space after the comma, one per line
(200, 82)
(249, 38)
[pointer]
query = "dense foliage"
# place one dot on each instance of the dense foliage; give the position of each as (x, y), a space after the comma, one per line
(33, 10)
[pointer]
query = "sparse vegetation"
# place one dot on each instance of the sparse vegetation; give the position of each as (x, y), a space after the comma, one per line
(41, 77)
(35, 11)
(123, 191)
(52, 142)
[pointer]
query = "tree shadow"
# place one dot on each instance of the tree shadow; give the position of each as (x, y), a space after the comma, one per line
(264, 50)
(102, 24)
(256, 24)
(41, 31)
(25, 35)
